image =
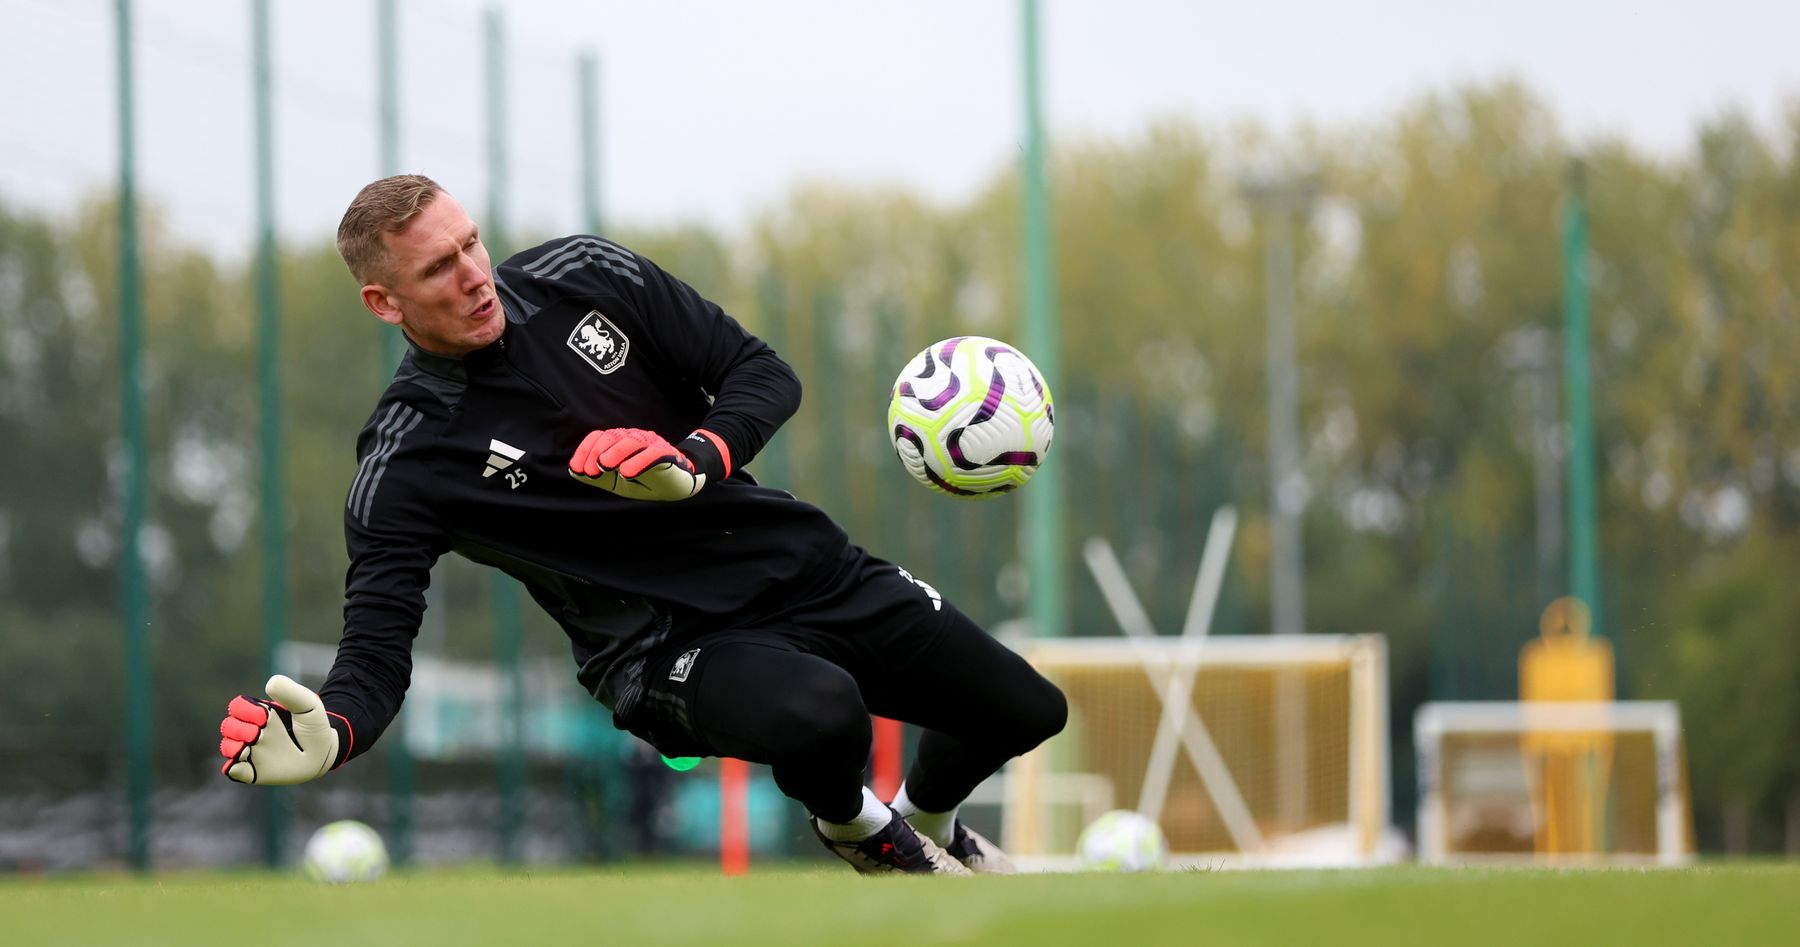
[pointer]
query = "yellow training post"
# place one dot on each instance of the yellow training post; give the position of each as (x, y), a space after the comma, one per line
(1568, 771)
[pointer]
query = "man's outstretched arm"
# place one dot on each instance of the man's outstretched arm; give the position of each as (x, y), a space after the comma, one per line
(393, 538)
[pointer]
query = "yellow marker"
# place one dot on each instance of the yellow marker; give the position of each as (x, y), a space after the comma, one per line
(1569, 771)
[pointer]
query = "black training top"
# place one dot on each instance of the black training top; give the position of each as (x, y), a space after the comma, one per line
(471, 456)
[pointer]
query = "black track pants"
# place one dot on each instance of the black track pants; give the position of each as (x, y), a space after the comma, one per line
(796, 693)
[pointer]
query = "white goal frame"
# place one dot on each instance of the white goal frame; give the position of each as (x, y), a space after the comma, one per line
(1027, 790)
(1661, 719)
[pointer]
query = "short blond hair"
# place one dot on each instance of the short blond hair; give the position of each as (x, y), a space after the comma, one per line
(383, 207)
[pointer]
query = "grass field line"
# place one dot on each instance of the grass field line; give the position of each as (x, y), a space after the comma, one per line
(1725, 904)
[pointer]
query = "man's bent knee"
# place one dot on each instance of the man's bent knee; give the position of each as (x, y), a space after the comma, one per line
(823, 715)
(1043, 712)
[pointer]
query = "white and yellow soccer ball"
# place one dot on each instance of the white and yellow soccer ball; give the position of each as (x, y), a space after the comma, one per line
(1122, 840)
(971, 417)
(344, 852)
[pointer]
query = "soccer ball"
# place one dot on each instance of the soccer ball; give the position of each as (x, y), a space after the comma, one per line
(1122, 840)
(342, 852)
(971, 417)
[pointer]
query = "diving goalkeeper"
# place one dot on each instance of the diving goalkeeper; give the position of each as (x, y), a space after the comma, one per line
(580, 420)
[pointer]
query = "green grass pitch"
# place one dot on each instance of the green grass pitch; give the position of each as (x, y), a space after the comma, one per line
(1735, 904)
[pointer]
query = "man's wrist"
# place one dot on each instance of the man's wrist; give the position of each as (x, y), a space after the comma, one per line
(708, 453)
(346, 739)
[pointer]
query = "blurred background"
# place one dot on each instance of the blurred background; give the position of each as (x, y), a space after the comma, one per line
(1381, 220)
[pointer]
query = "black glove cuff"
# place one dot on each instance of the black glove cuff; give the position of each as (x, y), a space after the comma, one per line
(704, 455)
(346, 738)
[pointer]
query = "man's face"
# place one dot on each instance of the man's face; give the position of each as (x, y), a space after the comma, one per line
(439, 286)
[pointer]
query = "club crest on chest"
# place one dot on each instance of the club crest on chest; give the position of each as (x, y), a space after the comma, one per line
(599, 342)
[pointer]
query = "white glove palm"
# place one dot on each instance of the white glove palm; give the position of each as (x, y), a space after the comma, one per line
(637, 464)
(277, 742)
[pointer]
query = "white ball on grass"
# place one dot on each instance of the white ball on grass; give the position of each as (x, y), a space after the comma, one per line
(1122, 840)
(344, 852)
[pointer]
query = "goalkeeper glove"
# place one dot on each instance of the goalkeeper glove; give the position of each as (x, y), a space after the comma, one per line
(641, 465)
(277, 742)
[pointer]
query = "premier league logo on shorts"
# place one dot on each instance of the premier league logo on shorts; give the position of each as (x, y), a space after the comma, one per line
(599, 342)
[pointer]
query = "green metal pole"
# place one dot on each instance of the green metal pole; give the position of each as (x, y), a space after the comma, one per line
(268, 357)
(830, 438)
(894, 506)
(772, 467)
(1584, 567)
(1281, 197)
(401, 776)
(1042, 527)
(508, 642)
(508, 620)
(387, 79)
(494, 231)
(387, 83)
(588, 87)
(134, 594)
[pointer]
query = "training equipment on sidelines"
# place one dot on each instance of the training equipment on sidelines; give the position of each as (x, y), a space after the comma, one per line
(1278, 755)
(971, 417)
(1552, 782)
(1245, 749)
(1122, 840)
(344, 851)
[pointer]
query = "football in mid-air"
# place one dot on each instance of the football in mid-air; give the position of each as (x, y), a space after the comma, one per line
(1122, 840)
(343, 852)
(971, 417)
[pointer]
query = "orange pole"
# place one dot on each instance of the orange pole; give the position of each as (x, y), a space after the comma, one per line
(890, 738)
(734, 816)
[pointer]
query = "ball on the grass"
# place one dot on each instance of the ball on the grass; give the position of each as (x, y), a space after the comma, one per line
(1122, 840)
(344, 852)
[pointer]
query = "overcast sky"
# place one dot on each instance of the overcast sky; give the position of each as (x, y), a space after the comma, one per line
(714, 109)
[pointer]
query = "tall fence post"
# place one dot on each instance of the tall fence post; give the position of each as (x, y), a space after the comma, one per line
(1584, 557)
(276, 803)
(401, 775)
(1042, 528)
(508, 618)
(135, 600)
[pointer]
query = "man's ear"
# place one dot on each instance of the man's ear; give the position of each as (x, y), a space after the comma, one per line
(376, 299)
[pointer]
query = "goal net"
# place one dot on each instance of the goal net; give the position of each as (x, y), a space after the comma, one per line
(1268, 749)
(1574, 783)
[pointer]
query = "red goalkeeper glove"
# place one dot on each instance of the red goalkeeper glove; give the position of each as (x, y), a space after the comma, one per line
(277, 742)
(643, 466)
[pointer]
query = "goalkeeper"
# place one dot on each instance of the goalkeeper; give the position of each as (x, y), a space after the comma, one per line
(580, 420)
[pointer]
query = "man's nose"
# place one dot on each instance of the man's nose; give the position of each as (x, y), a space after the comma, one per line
(468, 272)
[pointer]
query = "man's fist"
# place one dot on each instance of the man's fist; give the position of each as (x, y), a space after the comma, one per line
(638, 464)
(277, 742)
